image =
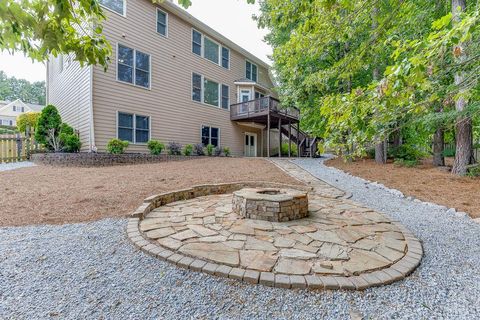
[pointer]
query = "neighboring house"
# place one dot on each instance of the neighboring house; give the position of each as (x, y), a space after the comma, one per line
(171, 78)
(9, 111)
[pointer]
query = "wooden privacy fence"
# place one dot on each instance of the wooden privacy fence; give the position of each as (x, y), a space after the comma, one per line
(16, 147)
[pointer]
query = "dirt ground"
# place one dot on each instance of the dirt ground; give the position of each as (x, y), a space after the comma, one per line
(424, 182)
(50, 195)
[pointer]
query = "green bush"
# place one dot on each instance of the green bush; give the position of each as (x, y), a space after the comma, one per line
(155, 147)
(406, 163)
(188, 149)
(226, 151)
(294, 151)
(370, 153)
(116, 146)
(174, 148)
(406, 152)
(449, 153)
(210, 148)
(48, 127)
(70, 142)
(474, 171)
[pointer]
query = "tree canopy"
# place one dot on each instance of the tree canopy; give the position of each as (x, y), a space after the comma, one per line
(12, 88)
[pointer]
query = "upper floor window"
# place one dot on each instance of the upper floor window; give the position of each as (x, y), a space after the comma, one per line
(209, 92)
(133, 66)
(209, 49)
(197, 42)
(117, 6)
(251, 71)
(133, 128)
(259, 95)
(162, 22)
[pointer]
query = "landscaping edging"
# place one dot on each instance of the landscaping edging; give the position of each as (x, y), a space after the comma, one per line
(90, 159)
(397, 271)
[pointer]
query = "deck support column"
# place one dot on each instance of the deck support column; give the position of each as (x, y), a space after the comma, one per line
(298, 139)
(268, 134)
(279, 137)
(289, 138)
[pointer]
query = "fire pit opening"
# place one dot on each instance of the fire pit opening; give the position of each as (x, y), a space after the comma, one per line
(276, 205)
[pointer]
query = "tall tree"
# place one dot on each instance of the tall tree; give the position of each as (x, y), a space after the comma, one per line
(12, 88)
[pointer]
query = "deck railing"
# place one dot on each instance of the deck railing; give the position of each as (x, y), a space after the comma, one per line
(261, 106)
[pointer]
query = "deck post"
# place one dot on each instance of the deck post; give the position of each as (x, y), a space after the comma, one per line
(298, 139)
(279, 137)
(289, 138)
(268, 133)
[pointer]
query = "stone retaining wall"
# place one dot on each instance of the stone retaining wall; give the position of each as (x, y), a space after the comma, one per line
(84, 159)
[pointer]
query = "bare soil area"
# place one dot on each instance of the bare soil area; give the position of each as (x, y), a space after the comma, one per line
(50, 195)
(424, 182)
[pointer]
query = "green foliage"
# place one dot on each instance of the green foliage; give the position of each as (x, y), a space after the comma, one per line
(70, 142)
(29, 119)
(293, 149)
(12, 89)
(210, 148)
(48, 127)
(174, 148)
(474, 171)
(117, 146)
(406, 163)
(198, 149)
(226, 151)
(155, 147)
(449, 153)
(406, 152)
(188, 150)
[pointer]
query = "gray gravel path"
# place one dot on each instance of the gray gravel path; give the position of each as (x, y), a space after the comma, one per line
(15, 165)
(92, 271)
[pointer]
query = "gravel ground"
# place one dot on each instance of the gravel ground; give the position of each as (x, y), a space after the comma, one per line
(15, 165)
(90, 270)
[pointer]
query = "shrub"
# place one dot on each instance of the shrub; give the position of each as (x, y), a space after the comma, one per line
(294, 151)
(473, 171)
(407, 152)
(210, 148)
(174, 148)
(116, 146)
(198, 149)
(48, 128)
(155, 147)
(28, 119)
(370, 153)
(217, 151)
(71, 143)
(449, 152)
(226, 151)
(406, 163)
(187, 150)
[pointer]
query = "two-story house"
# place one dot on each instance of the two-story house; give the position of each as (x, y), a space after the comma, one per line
(171, 78)
(9, 111)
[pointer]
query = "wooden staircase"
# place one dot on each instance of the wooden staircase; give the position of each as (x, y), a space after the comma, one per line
(307, 145)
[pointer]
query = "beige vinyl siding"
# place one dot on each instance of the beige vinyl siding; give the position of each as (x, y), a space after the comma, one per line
(174, 116)
(69, 91)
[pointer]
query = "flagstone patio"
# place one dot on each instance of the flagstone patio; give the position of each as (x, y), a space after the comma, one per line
(340, 245)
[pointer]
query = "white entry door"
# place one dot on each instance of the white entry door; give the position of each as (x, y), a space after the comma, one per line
(250, 144)
(244, 97)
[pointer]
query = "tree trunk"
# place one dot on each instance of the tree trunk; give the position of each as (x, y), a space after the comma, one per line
(397, 138)
(438, 143)
(463, 126)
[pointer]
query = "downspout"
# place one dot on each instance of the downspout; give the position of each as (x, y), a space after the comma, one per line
(93, 148)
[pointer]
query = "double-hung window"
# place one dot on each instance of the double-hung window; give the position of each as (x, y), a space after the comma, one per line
(133, 66)
(210, 92)
(251, 71)
(133, 128)
(210, 135)
(162, 22)
(209, 49)
(117, 6)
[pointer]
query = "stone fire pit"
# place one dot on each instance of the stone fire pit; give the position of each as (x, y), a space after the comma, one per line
(270, 204)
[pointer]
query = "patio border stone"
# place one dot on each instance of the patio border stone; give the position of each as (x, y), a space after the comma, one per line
(395, 272)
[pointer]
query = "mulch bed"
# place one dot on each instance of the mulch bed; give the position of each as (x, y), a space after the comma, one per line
(424, 182)
(53, 195)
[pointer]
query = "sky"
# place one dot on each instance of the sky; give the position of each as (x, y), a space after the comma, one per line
(231, 18)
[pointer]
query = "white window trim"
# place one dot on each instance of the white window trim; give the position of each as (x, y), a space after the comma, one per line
(134, 127)
(166, 23)
(202, 90)
(251, 70)
(202, 50)
(134, 67)
(210, 134)
(124, 9)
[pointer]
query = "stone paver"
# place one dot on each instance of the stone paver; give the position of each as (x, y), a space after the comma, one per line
(339, 245)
